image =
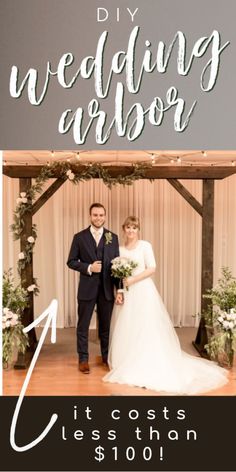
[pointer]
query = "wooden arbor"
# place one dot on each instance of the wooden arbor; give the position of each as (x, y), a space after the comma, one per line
(172, 174)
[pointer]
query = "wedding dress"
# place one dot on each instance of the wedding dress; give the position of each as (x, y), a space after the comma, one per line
(144, 349)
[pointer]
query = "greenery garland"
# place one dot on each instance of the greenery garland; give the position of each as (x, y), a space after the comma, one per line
(64, 170)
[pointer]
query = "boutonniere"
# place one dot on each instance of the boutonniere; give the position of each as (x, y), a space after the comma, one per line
(108, 237)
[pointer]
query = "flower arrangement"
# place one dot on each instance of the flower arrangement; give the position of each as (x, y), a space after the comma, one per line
(15, 299)
(222, 319)
(122, 267)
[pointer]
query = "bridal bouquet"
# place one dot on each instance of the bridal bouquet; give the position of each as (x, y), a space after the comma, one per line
(122, 267)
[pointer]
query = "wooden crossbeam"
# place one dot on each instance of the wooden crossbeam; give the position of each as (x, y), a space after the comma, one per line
(186, 195)
(47, 194)
(155, 172)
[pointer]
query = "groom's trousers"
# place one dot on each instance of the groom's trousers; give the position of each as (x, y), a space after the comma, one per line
(85, 311)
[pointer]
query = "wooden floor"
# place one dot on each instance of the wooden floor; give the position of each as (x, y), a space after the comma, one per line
(56, 371)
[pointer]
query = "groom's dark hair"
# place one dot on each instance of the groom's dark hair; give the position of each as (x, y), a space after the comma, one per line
(96, 205)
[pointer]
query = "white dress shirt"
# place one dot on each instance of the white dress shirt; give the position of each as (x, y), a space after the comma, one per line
(97, 234)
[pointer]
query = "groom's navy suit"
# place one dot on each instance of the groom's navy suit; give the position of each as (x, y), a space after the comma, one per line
(97, 288)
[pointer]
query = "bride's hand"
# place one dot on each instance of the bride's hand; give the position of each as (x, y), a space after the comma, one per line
(119, 300)
(129, 281)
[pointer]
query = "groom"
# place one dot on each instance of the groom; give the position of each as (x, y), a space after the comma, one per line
(91, 253)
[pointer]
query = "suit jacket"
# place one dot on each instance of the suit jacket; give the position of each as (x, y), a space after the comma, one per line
(84, 252)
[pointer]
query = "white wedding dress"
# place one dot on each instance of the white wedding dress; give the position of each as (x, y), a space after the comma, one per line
(144, 349)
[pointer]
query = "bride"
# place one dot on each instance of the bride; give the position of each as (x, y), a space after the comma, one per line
(144, 349)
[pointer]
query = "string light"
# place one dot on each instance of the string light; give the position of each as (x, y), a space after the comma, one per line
(52, 154)
(77, 156)
(233, 163)
(204, 153)
(4, 163)
(153, 158)
(178, 160)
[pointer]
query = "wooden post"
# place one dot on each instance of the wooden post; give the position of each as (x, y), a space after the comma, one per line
(207, 259)
(26, 280)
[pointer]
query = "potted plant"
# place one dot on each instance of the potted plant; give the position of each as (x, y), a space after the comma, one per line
(15, 299)
(221, 319)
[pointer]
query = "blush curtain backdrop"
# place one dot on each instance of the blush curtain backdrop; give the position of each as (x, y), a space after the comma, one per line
(167, 221)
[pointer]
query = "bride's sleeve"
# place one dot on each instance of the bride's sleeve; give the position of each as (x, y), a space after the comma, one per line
(149, 257)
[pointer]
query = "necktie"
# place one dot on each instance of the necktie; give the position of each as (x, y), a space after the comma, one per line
(96, 235)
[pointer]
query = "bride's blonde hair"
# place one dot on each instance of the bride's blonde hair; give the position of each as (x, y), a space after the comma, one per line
(131, 220)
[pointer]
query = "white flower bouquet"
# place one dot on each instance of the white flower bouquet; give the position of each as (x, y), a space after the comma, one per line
(220, 319)
(12, 335)
(222, 345)
(122, 267)
(15, 300)
(227, 321)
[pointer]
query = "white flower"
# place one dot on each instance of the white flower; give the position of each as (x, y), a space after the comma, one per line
(5, 310)
(8, 324)
(21, 199)
(68, 172)
(9, 315)
(31, 288)
(231, 324)
(220, 319)
(23, 194)
(226, 324)
(14, 323)
(30, 239)
(71, 176)
(21, 255)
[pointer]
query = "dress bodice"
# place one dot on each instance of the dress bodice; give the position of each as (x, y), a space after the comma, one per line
(142, 253)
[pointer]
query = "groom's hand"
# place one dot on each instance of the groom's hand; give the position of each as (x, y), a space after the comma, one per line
(96, 266)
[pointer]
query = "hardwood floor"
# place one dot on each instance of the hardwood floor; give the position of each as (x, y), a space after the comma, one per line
(56, 371)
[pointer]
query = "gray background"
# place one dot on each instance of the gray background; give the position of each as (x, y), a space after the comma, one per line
(33, 32)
